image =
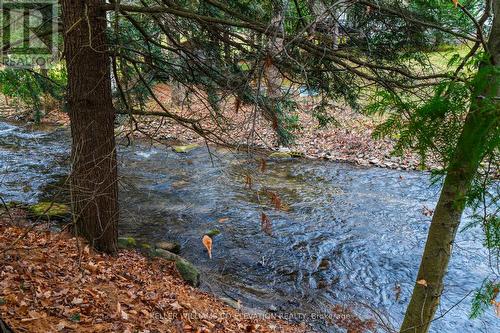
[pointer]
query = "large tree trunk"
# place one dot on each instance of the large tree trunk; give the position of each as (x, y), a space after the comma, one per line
(480, 122)
(94, 190)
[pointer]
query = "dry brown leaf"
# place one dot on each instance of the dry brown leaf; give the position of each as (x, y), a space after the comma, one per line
(207, 242)
(266, 224)
(176, 306)
(124, 315)
(61, 325)
(118, 308)
(129, 283)
(120, 313)
(77, 301)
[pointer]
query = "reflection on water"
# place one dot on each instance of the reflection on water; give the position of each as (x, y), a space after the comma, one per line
(348, 233)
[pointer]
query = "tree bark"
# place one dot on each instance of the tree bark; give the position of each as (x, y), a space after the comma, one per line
(273, 76)
(94, 190)
(480, 122)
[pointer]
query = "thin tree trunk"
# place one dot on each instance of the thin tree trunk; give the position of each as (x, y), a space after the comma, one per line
(479, 124)
(227, 49)
(94, 190)
(274, 78)
(327, 17)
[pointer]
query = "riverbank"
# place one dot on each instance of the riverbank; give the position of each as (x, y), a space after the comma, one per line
(366, 223)
(347, 139)
(53, 282)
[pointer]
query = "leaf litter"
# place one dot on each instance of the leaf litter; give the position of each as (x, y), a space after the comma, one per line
(54, 282)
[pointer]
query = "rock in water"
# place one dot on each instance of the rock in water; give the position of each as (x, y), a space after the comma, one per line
(187, 270)
(169, 246)
(166, 255)
(297, 154)
(212, 233)
(231, 302)
(145, 246)
(324, 264)
(280, 154)
(272, 308)
(189, 273)
(287, 154)
(185, 149)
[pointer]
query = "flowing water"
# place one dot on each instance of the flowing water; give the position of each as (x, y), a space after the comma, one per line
(345, 234)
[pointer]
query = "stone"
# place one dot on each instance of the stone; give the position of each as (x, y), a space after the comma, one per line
(146, 246)
(186, 148)
(180, 183)
(322, 284)
(297, 154)
(280, 154)
(284, 149)
(213, 232)
(273, 308)
(15, 204)
(324, 264)
(169, 246)
(126, 242)
(231, 302)
(167, 255)
(49, 210)
(188, 272)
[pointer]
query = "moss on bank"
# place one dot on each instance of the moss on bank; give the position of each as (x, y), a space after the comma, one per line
(49, 210)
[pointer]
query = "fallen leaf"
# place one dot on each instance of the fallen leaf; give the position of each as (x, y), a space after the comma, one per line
(77, 301)
(176, 306)
(124, 315)
(28, 319)
(263, 165)
(223, 219)
(60, 326)
(34, 314)
(120, 313)
(207, 242)
(265, 224)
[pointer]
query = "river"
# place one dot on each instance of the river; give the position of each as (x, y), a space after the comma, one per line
(346, 234)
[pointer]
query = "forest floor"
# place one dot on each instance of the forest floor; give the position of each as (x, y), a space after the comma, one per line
(53, 282)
